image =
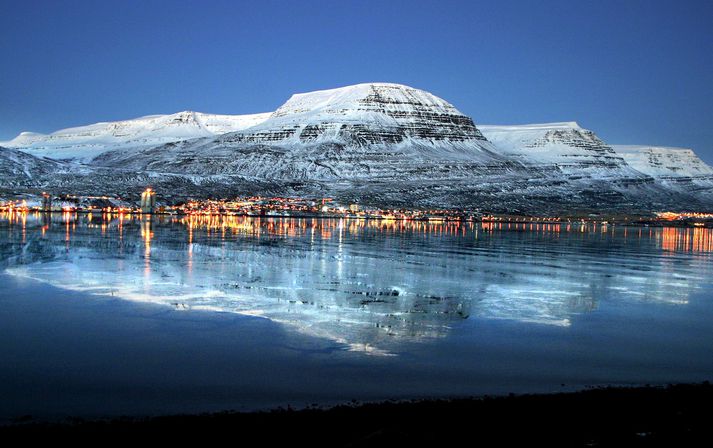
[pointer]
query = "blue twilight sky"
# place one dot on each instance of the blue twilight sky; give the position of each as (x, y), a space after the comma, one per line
(632, 71)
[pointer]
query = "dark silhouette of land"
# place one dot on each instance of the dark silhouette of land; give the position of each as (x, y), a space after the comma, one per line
(680, 415)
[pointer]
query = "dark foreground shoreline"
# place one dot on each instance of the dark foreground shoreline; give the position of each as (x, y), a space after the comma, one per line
(678, 415)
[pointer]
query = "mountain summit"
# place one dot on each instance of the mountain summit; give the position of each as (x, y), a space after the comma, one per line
(364, 114)
(417, 113)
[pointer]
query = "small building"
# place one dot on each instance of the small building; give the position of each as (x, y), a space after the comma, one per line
(148, 201)
(46, 202)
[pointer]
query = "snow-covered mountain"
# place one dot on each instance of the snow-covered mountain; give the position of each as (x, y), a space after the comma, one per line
(389, 144)
(367, 131)
(567, 146)
(379, 143)
(86, 142)
(576, 160)
(352, 113)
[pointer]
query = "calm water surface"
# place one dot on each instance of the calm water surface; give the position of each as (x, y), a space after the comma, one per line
(114, 314)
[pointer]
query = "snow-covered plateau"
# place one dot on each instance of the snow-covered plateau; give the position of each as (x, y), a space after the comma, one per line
(677, 168)
(378, 143)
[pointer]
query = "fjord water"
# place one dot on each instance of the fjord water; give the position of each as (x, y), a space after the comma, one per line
(106, 315)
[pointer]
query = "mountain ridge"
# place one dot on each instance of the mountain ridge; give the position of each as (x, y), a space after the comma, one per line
(88, 141)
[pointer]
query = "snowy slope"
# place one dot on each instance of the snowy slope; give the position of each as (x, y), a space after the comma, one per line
(19, 169)
(677, 169)
(86, 142)
(664, 162)
(566, 145)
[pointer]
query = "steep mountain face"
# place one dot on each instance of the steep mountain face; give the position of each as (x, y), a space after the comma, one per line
(86, 142)
(677, 168)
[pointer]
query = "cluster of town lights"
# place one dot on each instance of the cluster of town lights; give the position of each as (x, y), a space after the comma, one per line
(292, 207)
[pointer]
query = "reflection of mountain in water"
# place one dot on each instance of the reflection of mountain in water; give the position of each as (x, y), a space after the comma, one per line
(362, 283)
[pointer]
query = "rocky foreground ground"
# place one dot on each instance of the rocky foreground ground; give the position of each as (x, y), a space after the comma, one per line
(679, 415)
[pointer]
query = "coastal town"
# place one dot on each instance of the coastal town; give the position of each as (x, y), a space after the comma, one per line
(299, 207)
